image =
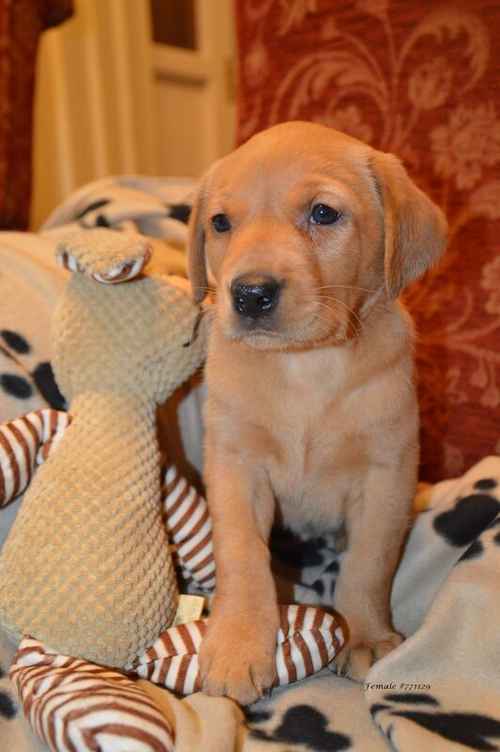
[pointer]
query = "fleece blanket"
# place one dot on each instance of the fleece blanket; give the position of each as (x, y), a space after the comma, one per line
(439, 690)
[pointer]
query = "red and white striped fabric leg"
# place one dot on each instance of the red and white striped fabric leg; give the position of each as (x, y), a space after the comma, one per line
(76, 706)
(24, 443)
(189, 528)
(308, 640)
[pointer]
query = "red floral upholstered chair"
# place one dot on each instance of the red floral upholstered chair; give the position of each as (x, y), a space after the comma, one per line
(21, 23)
(420, 79)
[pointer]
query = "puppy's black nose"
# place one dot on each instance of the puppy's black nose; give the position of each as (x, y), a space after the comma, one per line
(255, 296)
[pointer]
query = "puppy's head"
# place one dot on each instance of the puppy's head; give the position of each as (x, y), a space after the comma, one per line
(303, 230)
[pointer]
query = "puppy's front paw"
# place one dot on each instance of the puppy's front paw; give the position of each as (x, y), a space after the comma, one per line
(358, 656)
(237, 659)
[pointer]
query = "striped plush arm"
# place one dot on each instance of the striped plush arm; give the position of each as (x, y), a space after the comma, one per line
(24, 443)
(189, 528)
(75, 706)
(307, 641)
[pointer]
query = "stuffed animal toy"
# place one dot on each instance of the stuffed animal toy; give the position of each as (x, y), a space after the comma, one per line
(87, 567)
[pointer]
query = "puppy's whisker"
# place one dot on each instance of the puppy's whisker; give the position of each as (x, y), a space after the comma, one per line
(351, 329)
(355, 325)
(345, 287)
(202, 313)
(355, 330)
(206, 290)
(332, 299)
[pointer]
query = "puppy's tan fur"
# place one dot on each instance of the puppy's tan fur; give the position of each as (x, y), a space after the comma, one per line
(311, 412)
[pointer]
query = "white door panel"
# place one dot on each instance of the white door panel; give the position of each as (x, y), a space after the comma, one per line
(201, 82)
(110, 101)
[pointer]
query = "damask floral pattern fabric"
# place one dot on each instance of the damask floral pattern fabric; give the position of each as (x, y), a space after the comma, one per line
(21, 23)
(419, 79)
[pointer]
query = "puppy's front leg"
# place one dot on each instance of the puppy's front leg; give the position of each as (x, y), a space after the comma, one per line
(237, 656)
(376, 527)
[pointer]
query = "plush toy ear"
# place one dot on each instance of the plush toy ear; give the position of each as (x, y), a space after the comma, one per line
(415, 229)
(108, 257)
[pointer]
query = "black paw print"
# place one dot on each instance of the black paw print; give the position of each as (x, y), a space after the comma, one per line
(41, 379)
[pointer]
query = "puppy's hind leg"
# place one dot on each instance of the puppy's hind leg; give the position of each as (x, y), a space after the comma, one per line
(376, 528)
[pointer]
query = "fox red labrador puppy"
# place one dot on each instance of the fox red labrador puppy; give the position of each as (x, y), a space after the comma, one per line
(309, 236)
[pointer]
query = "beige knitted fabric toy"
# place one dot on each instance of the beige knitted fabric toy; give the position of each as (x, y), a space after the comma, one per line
(86, 567)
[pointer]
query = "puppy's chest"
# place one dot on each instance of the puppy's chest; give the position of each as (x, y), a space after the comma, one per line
(318, 458)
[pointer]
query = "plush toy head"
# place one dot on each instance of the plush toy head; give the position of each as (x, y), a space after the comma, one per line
(86, 567)
(120, 335)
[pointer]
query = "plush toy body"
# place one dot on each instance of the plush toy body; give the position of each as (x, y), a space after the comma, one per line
(87, 567)
(96, 578)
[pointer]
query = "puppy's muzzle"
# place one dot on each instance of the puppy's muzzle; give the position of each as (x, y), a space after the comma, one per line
(255, 296)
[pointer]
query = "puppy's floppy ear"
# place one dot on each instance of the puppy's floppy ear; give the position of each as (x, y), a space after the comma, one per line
(197, 262)
(197, 265)
(415, 229)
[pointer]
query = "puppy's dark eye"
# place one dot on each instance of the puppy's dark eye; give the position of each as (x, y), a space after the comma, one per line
(322, 214)
(221, 223)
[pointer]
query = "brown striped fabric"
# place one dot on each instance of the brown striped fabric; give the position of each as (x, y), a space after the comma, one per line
(24, 443)
(76, 706)
(307, 641)
(189, 528)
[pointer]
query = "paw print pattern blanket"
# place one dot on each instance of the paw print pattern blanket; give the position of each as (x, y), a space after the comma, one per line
(440, 690)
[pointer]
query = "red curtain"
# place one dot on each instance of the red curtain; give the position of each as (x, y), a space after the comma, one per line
(21, 23)
(419, 79)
